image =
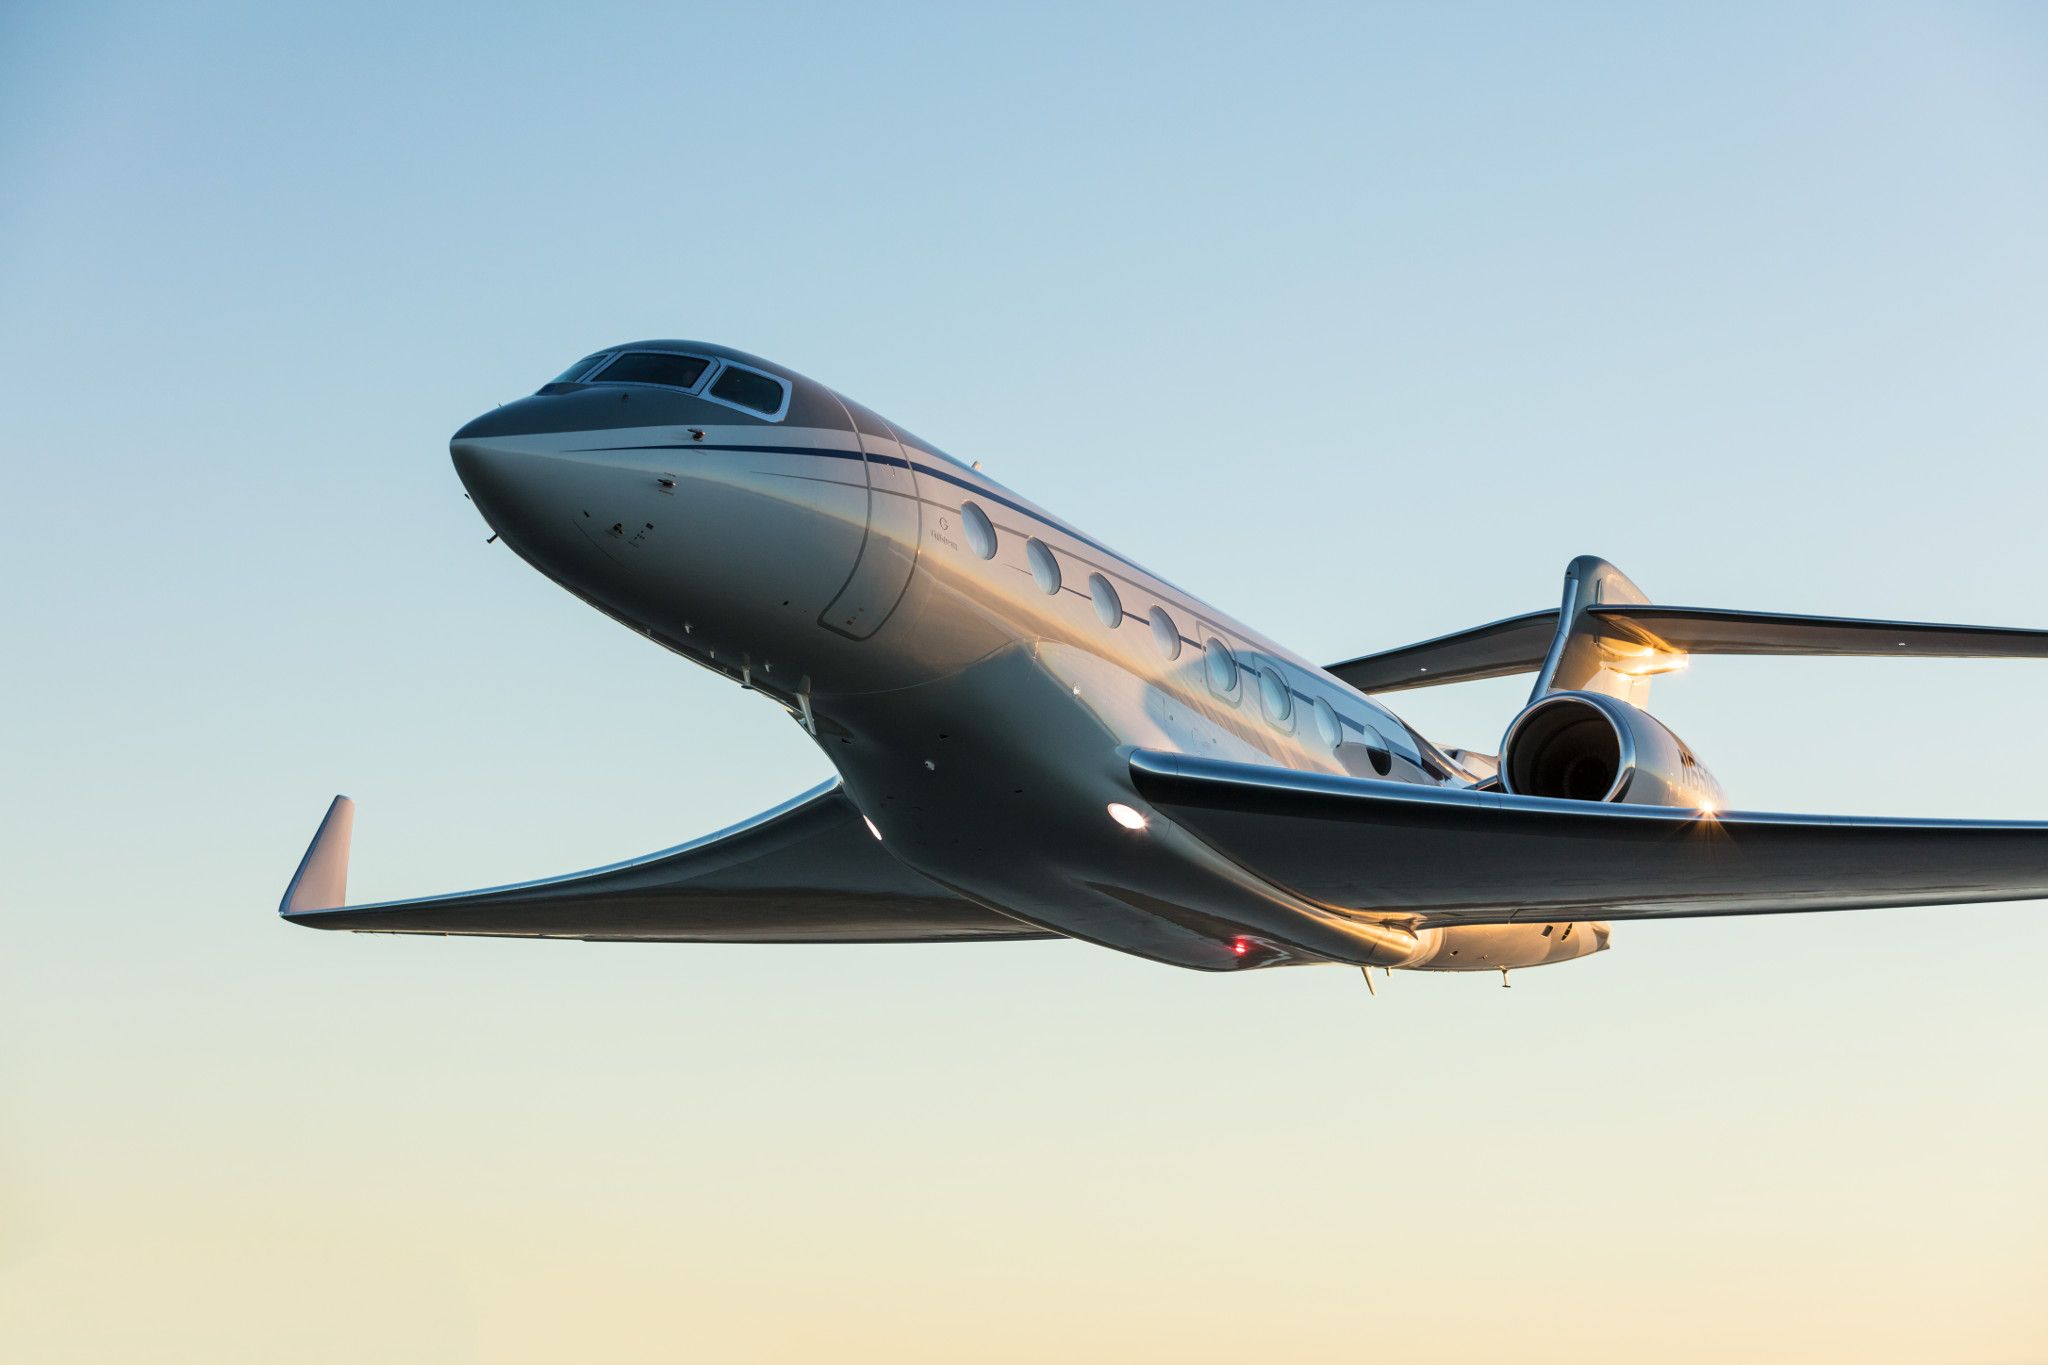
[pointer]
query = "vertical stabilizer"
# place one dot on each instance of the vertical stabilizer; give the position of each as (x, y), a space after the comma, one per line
(1585, 654)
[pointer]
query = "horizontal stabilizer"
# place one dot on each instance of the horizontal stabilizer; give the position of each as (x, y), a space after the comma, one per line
(806, 872)
(1711, 630)
(1520, 644)
(1515, 645)
(1433, 856)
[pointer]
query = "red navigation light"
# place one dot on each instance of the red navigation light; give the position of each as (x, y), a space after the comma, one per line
(1241, 946)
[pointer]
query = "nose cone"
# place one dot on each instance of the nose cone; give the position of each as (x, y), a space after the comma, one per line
(532, 497)
(582, 522)
(501, 483)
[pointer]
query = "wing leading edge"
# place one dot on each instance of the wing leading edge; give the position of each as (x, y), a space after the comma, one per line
(1441, 856)
(807, 871)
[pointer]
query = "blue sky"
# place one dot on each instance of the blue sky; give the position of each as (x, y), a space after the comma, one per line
(1359, 321)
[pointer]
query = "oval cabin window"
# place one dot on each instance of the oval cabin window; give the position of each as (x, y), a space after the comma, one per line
(1108, 605)
(1165, 634)
(1044, 567)
(1222, 667)
(1274, 698)
(1327, 724)
(1377, 752)
(981, 532)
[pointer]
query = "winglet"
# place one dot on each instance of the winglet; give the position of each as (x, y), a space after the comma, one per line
(321, 883)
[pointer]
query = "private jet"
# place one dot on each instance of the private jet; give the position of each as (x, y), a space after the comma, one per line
(1035, 737)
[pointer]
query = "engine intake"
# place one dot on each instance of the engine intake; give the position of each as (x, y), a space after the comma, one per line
(1583, 746)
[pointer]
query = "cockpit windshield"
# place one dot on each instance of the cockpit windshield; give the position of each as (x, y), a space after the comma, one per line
(733, 384)
(636, 367)
(650, 367)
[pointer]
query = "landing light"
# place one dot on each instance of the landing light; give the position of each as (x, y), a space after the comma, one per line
(1123, 815)
(871, 828)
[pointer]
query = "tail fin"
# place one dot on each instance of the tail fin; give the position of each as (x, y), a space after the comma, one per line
(1584, 656)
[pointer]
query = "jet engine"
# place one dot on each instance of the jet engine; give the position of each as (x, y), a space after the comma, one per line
(1584, 746)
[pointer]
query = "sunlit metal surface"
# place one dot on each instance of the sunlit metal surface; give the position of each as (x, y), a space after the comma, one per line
(989, 681)
(1444, 855)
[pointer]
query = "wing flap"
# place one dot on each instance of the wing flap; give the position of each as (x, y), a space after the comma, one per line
(1440, 856)
(806, 872)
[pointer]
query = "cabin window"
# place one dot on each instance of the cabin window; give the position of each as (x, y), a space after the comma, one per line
(1222, 667)
(1044, 567)
(1165, 634)
(749, 389)
(1274, 698)
(1378, 752)
(1327, 724)
(1108, 605)
(652, 367)
(981, 532)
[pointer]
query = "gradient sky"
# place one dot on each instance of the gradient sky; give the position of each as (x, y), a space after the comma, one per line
(1358, 321)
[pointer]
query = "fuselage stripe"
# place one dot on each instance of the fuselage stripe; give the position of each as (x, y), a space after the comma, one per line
(826, 452)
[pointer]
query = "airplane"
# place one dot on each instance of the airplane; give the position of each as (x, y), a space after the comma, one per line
(1035, 737)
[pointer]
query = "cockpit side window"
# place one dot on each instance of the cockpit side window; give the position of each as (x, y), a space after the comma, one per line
(579, 369)
(651, 367)
(750, 389)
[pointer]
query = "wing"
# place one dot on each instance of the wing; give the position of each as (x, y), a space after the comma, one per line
(806, 872)
(1439, 855)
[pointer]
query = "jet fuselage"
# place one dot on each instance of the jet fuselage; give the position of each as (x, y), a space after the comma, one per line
(976, 669)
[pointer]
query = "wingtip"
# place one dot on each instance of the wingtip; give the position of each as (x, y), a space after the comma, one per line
(321, 883)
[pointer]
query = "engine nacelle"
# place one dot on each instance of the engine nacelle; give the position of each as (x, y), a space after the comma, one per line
(1583, 746)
